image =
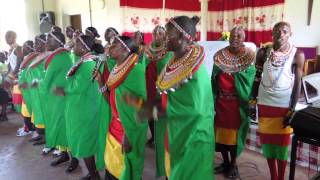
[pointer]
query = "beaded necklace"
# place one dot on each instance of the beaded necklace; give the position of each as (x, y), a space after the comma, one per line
(276, 59)
(232, 63)
(120, 72)
(156, 53)
(180, 71)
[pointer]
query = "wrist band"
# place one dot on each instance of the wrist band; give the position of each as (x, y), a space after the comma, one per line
(290, 112)
(140, 103)
(253, 102)
(103, 89)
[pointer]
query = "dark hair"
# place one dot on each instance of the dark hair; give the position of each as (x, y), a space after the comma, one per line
(70, 27)
(60, 36)
(41, 36)
(281, 23)
(142, 35)
(113, 30)
(187, 24)
(130, 43)
(90, 42)
(56, 29)
(94, 31)
(29, 43)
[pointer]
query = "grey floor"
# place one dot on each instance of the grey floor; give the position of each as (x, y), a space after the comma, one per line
(21, 160)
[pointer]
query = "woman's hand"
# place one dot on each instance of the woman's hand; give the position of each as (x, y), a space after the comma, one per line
(287, 119)
(126, 146)
(34, 84)
(253, 109)
(23, 85)
(59, 91)
(97, 76)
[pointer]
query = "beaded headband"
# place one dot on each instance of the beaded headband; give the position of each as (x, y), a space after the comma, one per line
(83, 43)
(43, 41)
(56, 38)
(110, 29)
(88, 30)
(140, 34)
(124, 44)
(70, 28)
(28, 46)
(179, 28)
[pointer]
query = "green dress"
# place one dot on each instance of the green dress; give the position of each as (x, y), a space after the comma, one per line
(243, 83)
(83, 102)
(57, 65)
(189, 121)
(22, 78)
(153, 70)
(35, 72)
(136, 132)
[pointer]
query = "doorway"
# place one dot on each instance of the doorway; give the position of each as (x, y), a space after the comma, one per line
(75, 21)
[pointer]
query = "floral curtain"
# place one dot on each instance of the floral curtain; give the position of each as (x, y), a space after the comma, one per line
(144, 15)
(256, 16)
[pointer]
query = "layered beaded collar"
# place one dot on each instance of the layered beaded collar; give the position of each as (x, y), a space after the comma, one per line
(180, 71)
(278, 58)
(155, 53)
(232, 63)
(120, 72)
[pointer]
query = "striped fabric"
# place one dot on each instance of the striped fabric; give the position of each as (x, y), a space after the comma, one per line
(17, 98)
(24, 110)
(274, 138)
(113, 156)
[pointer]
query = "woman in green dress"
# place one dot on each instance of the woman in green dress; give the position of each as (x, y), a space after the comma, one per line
(185, 150)
(157, 58)
(83, 102)
(56, 66)
(35, 72)
(126, 137)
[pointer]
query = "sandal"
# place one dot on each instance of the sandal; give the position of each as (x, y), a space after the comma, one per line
(232, 173)
(220, 169)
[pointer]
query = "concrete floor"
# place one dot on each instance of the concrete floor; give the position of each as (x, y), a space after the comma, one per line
(21, 160)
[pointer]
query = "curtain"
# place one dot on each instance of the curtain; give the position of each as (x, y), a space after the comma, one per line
(256, 16)
(144, 15)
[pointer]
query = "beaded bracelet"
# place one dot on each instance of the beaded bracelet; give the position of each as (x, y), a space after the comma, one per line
(103, 89)
(253, 102)
(139, 103)
(290, 112)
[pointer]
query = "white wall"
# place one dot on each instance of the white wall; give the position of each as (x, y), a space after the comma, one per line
(103, 15)
(296, 14)
(110, 15)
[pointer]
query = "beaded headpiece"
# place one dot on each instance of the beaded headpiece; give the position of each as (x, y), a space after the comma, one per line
(179, 28)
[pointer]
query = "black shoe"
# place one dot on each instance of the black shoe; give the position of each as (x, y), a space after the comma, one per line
(63, 158)
(40, 142)
(38, 138)
(232, 173)
(73, 165)
(3, 118)
(89, 177)
(222, 168)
